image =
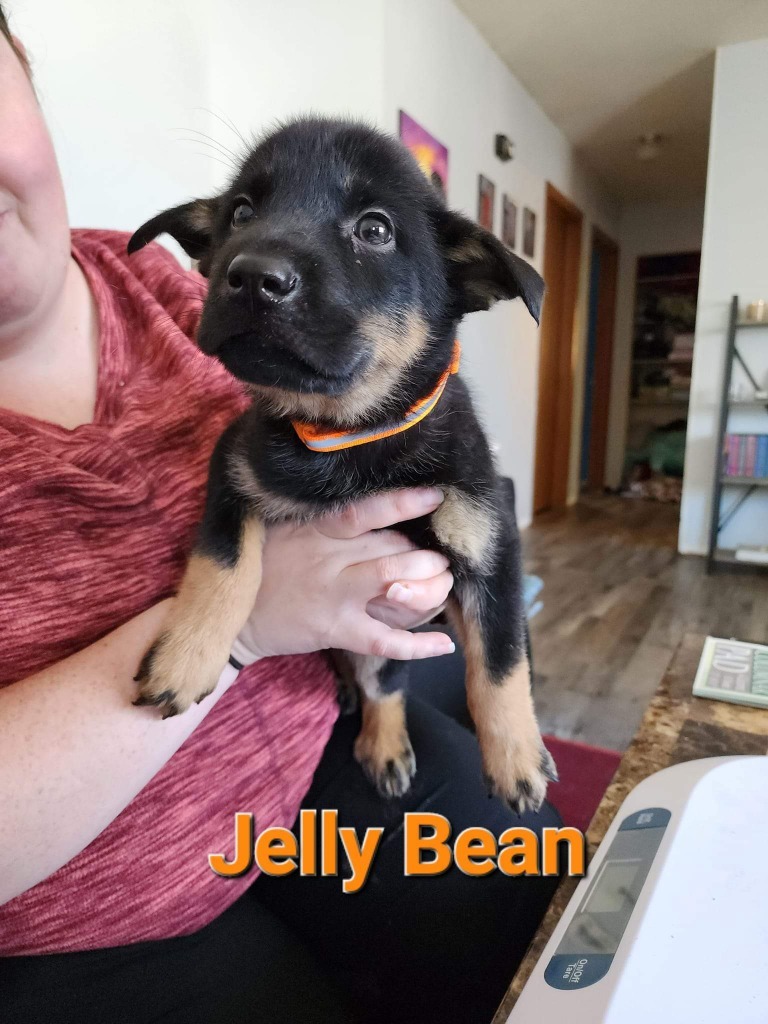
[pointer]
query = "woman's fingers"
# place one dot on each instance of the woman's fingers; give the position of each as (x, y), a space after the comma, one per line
(412, 602)
(376, 638)
(380, 511)
(378, 576)
(421, 595)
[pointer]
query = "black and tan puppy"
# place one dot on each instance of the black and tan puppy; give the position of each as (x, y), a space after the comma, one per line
(337, 279)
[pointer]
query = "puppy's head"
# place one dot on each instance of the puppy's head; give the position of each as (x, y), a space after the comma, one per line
(336, 271)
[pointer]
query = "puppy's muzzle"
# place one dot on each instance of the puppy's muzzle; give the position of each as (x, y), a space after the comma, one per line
(262, 278)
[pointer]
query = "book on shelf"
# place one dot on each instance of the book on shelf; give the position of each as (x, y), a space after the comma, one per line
(682, 346)
(750, 452)
(746, 455)
(757, 556)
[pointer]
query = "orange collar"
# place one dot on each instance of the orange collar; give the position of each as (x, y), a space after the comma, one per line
(320, 440)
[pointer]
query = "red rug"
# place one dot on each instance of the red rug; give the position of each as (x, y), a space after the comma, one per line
(585, 774)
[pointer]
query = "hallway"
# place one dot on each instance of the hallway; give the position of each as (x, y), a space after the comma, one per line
(617, 601)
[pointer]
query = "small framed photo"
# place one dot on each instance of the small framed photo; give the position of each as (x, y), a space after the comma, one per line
(486, 192)
(529, 232)
(509, 223)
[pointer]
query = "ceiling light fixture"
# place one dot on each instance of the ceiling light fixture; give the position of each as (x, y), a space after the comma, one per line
(648, 146)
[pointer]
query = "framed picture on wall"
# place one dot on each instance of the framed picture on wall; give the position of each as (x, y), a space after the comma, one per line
(486, 192)
(529, 232)
(431, 155)
(509, 223)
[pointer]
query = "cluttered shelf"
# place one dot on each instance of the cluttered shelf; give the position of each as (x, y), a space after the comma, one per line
(649, 401)
(660, 379)
(683, 360)
(669, 278)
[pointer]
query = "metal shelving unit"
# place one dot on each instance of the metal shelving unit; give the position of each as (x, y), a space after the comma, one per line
(748, 485)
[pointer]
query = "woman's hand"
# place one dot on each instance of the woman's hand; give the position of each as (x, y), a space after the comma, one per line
(345, 581)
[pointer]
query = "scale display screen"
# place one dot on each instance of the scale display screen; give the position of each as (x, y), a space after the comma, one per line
(592, 938)
(616, 887)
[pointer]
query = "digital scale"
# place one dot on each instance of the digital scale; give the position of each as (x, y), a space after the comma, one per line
(670, 925)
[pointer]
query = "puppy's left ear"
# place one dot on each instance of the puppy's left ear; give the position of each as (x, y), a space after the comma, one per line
(191, 225)
(481, 270)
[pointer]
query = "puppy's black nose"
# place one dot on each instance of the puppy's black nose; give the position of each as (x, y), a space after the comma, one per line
(267, 278)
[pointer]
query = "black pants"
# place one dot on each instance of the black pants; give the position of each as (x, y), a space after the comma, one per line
(292, 949)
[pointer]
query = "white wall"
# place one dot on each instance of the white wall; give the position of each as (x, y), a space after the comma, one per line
(734, 262)
(126, 86)
(646, 229)
(269, 62)
(440, 69)
(119, 84)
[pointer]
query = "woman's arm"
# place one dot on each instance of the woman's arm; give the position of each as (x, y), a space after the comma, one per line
(73, 749)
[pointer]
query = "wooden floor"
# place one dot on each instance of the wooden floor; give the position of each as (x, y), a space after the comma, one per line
(617, 600)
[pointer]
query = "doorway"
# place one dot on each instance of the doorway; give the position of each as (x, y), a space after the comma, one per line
(603, 273)
(562, 256)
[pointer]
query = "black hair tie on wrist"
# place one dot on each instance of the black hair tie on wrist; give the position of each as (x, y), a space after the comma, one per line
(235, 663)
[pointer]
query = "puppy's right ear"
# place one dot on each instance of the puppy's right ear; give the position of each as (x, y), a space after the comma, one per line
(481, 270)
(191, 225)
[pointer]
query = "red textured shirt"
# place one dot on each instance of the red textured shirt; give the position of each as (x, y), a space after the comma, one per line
(95, 526)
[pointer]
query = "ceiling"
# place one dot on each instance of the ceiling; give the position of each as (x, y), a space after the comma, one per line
(609, 71)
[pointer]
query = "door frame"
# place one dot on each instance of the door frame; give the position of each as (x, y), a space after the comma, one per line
(603, 361)
(552, 467)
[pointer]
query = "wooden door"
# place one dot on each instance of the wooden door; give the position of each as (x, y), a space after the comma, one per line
(562, 256)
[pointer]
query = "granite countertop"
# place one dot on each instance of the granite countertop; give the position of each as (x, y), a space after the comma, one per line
(677, 727)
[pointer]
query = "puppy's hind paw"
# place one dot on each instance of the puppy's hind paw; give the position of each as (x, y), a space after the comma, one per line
(391, 775)
(524, 783)
(548, 766)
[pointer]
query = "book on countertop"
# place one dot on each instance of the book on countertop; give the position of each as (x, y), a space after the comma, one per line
(733, 671)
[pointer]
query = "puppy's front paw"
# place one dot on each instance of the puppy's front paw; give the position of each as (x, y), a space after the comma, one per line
(171, 678)
(518, 773)
(389, 765)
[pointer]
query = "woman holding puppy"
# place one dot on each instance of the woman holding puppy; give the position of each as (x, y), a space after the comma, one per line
(109, 910)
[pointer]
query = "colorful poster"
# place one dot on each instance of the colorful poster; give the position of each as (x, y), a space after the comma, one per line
(431, 155)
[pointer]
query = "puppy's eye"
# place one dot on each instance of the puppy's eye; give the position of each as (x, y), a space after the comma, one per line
(374, 229)
(242, 213)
